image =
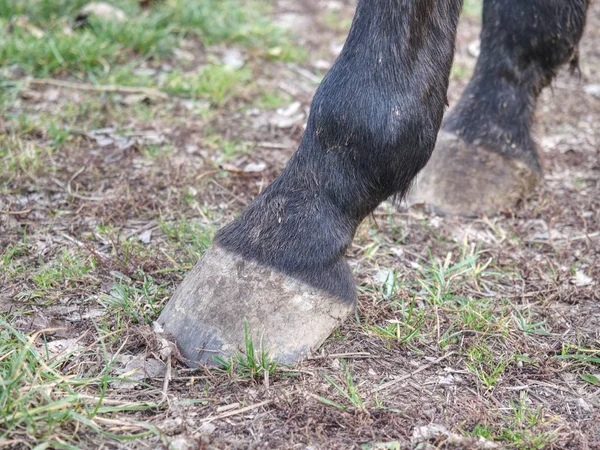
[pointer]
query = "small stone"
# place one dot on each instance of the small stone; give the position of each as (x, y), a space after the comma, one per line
(101, 10)
(233, 59)
(146, 237)
(136, 369)
(145, 72)
(474, 48)
(287, 117)
(585, 405)
(446, 381)
(171, 425)
(191, 149)
(290, 110)
(336, 49)
(28, 94)
(581, 279)
(428, 432)
(322, 64)
(63, 347)
(255, 167)
(334, 5)
(183, 55)
(13, 72)
(52, 95)
(134, 99)
(592, 89)
(183, 443)
(207, 428)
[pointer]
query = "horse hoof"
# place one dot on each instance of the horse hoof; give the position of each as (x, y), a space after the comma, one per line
(471, 180)
(224, 295)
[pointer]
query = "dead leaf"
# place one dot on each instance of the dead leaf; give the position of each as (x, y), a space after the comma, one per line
(137, 368)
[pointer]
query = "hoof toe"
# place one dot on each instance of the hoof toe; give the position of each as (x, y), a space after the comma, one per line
(224, 292)
(469, 180)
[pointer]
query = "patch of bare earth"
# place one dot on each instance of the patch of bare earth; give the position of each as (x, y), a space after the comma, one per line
(419, 364)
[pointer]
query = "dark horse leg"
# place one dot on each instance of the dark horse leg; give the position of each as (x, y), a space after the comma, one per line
(485, 157)
(279, 268)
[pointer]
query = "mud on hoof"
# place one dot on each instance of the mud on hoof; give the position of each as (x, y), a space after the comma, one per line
(287, 317)
(470, 179)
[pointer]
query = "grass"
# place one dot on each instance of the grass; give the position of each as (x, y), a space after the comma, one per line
(216, 83)
(136, 303)
(227, 148)
(18, 155)
(445, 309)
(50, 401)
(253, 363)
(65, 270)
(473, 8)
(96, 50)
(347, 389)
(486, 365)
(271, 100)
(405, 327)
(192, 238)
(524, 427)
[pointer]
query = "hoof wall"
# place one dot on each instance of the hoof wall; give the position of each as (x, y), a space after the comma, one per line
(224, 292)
(469, 180)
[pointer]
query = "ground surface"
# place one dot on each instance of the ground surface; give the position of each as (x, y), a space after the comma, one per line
(484, 332)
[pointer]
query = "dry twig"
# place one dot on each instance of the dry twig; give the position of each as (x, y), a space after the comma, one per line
(91, 87)
(410, 375)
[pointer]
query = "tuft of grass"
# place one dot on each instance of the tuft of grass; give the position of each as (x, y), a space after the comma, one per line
(580, 355)
(68, 268)
(523, 426)
(130, 302)
(348, 390)
(405, 327)
(271, 100)
(190, 238)
(441, 280)
(45, 402)
(251, 363)
(215, 83)
(486, 364)
(227, 149)
(20, 156)
(12, 265)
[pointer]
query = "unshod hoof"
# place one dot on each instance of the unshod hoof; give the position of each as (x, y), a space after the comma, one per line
(224, 293)
(470, 180)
